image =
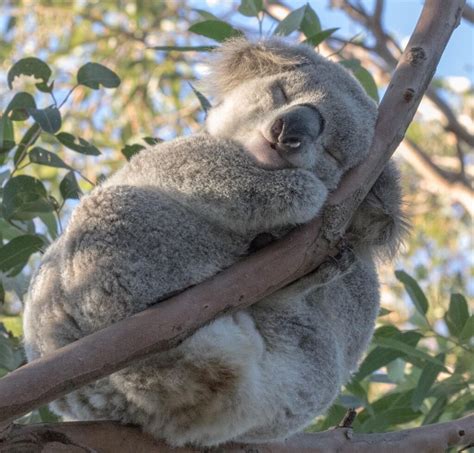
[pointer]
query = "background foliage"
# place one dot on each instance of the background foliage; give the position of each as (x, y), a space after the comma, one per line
(85, 85)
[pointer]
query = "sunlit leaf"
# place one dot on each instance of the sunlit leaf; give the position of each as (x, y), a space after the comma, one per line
(319, 37)
(30, 66)
(49, 118)
(93, 75)
(457, 315)
(24, 197)
(250, 8)
(290, 23)
(41, 156)
(205, 14)
(414, 291)
(310, 25)
(77, 144)
(468, 330)
(19, 106)
(15, 254)
(215, 29)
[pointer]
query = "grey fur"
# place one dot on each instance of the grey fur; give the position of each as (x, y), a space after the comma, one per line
(181, 211)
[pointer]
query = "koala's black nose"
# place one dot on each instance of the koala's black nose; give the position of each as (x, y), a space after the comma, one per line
(298, 124)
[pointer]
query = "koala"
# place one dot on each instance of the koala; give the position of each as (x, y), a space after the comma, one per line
(286, 126)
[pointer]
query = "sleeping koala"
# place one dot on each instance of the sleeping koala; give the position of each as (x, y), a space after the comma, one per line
(287, 126)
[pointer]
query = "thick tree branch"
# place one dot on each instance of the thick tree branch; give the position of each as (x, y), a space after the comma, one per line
(164, 325)
(110, 437)
(468, 13)
(249, 280)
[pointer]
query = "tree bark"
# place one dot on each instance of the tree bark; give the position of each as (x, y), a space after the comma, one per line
(245, 283)
(111, 437)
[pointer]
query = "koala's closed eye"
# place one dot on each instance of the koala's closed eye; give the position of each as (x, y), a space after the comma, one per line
(278, 93)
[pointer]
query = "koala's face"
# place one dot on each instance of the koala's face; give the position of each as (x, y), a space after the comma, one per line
(308, 113)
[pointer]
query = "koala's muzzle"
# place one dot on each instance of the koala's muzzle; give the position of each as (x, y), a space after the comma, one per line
(295, 127)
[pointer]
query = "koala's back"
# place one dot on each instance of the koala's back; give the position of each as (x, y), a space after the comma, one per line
(126, 248)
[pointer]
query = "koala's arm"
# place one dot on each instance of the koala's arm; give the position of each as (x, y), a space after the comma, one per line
(217, 179)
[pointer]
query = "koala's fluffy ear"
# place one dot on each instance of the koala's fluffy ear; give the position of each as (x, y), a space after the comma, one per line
(238, 60)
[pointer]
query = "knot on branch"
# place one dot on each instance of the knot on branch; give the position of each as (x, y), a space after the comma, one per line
(416, 56)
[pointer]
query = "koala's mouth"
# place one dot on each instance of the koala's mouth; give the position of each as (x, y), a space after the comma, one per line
(268, 154)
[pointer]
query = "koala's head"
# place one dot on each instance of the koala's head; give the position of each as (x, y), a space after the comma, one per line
(290, 107)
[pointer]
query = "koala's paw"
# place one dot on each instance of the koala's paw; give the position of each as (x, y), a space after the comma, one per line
(306, 197)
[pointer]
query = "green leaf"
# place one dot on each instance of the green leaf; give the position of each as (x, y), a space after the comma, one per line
(319, 37)
(77, 144)
(215, 29)
(379, 356)
(130, 150)
(205, 14)
(93, 75)
(41, 156)
(436, 410)
(49, 118)
(414, 291)
(384, 312)
(205, 104)
(2, 294)
(250, 8)
(185, 48)
(310, 25)
(427, 379)
(468, 330)
(291, 23)
(7, 134)
(364, 77)
(410, 351)
(152, 141)
(49, 219)
(47, 416)
(19, 106)
(69, 187)
(457, 314)
(15, 254)
(30, 66)
(11, 356)
(24, 198)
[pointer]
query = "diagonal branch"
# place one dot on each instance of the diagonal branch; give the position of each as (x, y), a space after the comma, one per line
(112, 437)
(245, 283)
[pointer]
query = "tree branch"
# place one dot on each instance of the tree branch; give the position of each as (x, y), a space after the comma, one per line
(110, 437)
(169, 322)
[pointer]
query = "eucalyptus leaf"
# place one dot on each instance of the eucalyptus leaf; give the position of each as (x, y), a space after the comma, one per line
(15, 255)
(205, 14)
(130, 150)
(30, 66)
(77, 144)
(205, 104)
(19, 106)
(363, 76)
(24, 198)
(250, 8)
(319, 37)
(290, 23)
(69, 187)
(49, 118)
(215, 29)
(41, 156)
(93, 75)
(7, 134)
(427, 378)
(310, 24)
(185, 48)
(457, 315)
(414, 291)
